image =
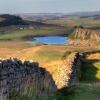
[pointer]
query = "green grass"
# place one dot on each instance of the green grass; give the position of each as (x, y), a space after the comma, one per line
(89, 87)
(32, 32)
(91, 71)
(84, 91)
(15, 95)
(67, 53)
(48, 55)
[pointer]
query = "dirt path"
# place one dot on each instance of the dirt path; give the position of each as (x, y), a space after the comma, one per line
(26, 53)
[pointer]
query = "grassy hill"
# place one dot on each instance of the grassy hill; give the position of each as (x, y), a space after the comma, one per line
(9, 20)
(14, 27)
(30, 33)
(88, 22)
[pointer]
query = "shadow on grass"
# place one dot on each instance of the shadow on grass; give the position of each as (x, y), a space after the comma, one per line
(89, 86)
(89, 71)
(84, 91)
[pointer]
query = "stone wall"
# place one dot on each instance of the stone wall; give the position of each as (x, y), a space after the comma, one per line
(24, 77)
(69, 72)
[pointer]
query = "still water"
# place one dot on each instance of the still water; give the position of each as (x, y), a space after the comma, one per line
(51, 40)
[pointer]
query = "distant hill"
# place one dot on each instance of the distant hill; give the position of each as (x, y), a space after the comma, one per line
(46, 16)
(13, 20)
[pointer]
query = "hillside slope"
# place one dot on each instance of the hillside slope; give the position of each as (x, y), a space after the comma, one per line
(84, 36)
(8, 20)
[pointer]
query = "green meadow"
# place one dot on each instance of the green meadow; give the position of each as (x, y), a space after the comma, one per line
(21, 33)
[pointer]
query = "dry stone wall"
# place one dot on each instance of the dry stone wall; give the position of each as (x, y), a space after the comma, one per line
(24, 77)
(69, 72)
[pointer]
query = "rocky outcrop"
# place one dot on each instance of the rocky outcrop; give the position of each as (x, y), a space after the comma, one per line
(25, 78)
(84, 37)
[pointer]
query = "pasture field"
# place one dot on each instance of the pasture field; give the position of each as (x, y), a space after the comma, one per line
(24, 33)
(49, 57)
(71, 22)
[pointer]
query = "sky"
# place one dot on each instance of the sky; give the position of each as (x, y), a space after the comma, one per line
(48, 6)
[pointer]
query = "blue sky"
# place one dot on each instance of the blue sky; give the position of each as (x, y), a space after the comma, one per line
(48, 6)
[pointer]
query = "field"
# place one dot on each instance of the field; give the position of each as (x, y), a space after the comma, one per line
(49, 57)
(71, 22)
(28, 51)
(15, 44)
(26, 33)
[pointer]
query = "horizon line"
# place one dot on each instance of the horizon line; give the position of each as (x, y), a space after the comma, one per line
(52, 12)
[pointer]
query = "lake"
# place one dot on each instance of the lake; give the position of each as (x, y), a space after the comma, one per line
(51, 40)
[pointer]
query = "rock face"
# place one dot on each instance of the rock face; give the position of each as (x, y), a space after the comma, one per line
(24, 77)
(69, 72)
(84, 37)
